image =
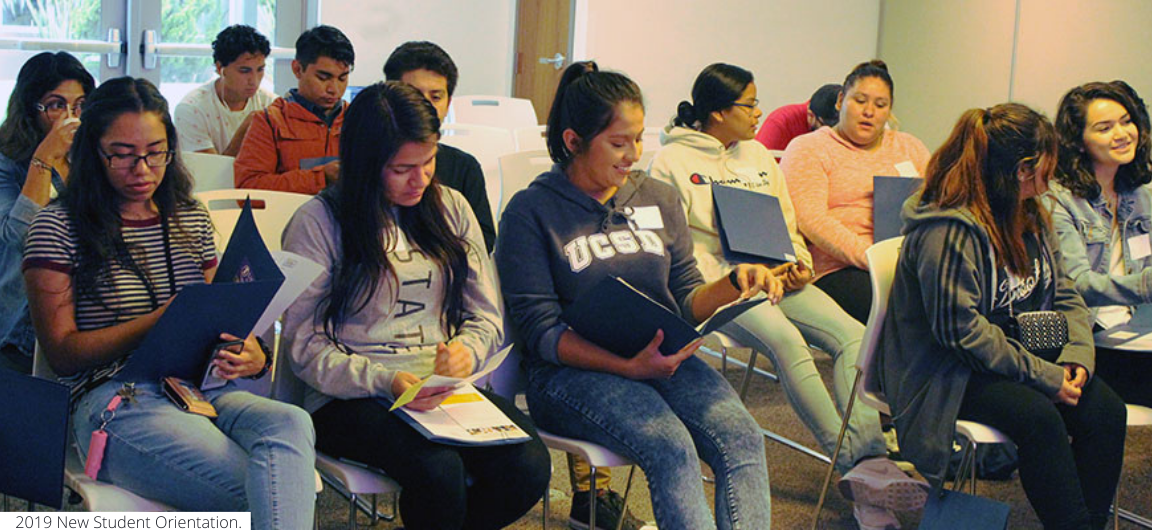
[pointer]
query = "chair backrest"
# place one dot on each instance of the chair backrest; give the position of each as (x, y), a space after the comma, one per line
(531, 138)
(518, 170)
(652, 138)
(882, 258)
(210, 172)
(487, 145)
(493, 111)
(271, 209)
(286, 387)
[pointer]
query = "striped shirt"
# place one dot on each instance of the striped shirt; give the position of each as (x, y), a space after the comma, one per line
(121, 294)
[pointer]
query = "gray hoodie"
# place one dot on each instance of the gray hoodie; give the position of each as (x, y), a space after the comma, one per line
(938, 331)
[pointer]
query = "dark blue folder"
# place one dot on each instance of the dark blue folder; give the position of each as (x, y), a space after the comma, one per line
(752, 227)
(953, 510)
(33, 438)
(182, 341)
(888, 196)
(621, 319)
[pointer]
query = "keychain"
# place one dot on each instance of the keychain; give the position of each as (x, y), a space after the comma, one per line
(99, 438)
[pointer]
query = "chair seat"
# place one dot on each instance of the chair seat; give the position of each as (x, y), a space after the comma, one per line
(104, 497)
(980, 433)
(596, 455)
(358, 479)
(1139, 416)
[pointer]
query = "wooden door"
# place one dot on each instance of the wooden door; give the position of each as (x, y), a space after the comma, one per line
(543, 31)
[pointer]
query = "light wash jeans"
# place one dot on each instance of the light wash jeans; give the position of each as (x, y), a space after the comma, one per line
(665, 426)
(257, 456)
(783, 331)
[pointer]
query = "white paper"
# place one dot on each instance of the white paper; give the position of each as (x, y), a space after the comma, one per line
(647, 218)
(907, 169)
(1142, 343)
(1139, 247)
(472, 419)
(299, 272)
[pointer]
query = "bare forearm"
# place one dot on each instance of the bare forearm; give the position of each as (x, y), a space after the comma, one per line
(711, 297)
(83, 350)
(37, 184)
(577, 352)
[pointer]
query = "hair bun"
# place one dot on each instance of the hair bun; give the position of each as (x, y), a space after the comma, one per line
(685, 114)
(878, 64)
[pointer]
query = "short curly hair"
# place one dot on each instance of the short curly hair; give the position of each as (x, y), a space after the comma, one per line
(237, 40)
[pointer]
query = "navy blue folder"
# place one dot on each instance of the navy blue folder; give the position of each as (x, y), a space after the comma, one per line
(888, 196)
(621, 319)
(182, 341)
(33, 438)
(953, 510)
(752, 226)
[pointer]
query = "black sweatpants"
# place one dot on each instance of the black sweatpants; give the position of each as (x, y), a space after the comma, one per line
(852, 289)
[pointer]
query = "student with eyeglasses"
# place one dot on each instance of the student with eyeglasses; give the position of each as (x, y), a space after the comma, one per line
(711, 141)
(101, 265)
(43, 114)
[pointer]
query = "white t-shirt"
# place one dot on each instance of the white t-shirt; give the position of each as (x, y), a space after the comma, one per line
(203, 121)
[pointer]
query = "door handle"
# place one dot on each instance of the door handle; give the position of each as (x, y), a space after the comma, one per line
(557, 61)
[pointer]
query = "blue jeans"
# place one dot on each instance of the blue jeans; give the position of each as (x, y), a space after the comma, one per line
(783, 331)
(256, 456)
(665, 426)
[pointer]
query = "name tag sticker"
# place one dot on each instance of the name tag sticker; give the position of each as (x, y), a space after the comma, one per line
(907, 169)
(1139, 247)
(647, 218)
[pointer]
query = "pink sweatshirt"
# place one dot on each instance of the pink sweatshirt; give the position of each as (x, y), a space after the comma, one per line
(830, 181)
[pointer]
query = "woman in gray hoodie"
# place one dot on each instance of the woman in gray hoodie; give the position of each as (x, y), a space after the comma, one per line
(979, 250)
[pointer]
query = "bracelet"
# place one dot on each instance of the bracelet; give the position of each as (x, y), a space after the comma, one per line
(41, 164)
(267, 360)
(733, 279)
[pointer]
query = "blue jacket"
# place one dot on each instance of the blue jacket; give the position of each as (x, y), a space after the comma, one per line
(1084, 228)
(16, 213)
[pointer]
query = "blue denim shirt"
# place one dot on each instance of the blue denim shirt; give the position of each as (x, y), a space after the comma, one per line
(1084, 228)
(16, 213)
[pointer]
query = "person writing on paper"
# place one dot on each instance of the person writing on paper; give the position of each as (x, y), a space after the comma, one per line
(979, 253)
(592, 216)
(1102, 213)
(409, 292)
(101, 265)
(830, 175)
(710, 141)
(43, 114)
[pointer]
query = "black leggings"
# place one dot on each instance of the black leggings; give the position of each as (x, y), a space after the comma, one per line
(852, 289)
(1070, 485)
(507, 480)
(1128, 373)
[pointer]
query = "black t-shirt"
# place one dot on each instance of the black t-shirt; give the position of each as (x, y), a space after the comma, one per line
(460, 171)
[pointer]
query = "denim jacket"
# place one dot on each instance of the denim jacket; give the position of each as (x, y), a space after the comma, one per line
(1084, 228)
(16, 213)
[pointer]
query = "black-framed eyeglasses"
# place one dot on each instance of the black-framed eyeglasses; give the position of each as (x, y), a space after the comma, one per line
(750, 106)
(58, 106)
(129, 161)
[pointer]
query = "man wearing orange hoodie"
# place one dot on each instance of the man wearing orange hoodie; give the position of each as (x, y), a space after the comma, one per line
(293, 145)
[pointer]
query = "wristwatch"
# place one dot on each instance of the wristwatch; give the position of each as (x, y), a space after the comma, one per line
(733, 278)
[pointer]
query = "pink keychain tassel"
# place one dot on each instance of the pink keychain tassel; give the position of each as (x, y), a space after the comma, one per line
(100, 439)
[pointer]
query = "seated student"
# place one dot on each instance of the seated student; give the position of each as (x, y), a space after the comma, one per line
(710, 141)
(830, 175)
(428, 67)
(571, 228)
(1102, 212)
(287, 143)
(978, 251)
(790, 121)
(34, 141)
(410, 293)
(215, 116)
(101, 266)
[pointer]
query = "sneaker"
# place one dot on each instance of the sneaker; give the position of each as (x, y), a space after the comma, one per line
(609, 506)
(878, 482)
(894, 450)
(874, 517)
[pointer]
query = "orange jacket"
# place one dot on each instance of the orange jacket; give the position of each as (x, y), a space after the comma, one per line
(278, 139)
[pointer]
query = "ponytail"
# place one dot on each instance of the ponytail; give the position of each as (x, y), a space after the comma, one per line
(585, 102)
(686, 116)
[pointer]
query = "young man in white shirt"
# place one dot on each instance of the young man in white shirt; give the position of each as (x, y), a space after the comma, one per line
(214, 117)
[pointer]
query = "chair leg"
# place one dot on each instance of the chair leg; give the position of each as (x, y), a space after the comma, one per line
(592, 498)
(375, 515)
(836, 451)
(723, 359)
(624, 508)
(973, 465)
(544, 516)
(1116, 509)
(351, 511)
(751, 368)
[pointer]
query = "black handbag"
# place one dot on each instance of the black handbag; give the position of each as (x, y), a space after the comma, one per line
(1039, 331)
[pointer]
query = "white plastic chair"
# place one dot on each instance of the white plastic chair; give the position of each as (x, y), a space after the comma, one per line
(210, 172)
(493, 111)
(271, 209)
(518, 170)
(487, 144)
(531, 138)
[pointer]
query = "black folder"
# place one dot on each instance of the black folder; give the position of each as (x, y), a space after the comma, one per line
(619, 318)
(888, 196)
(182, 341)
(752, 226)
(33, 438)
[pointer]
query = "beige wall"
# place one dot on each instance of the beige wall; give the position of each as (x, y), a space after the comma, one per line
(950, 55)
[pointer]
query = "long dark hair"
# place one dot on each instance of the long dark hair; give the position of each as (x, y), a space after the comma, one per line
(716, 88)
(92, 202)
(977, 169)
(1075, 170)
(585, 102)
(381, 119)
(20, 133)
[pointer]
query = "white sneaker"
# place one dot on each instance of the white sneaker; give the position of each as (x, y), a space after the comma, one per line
(879, 483)
(874, 517)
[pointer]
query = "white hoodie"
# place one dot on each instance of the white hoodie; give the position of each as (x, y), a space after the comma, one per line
(691, 161)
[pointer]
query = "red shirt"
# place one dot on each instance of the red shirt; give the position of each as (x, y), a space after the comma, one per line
(782, 125)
